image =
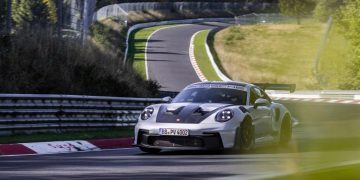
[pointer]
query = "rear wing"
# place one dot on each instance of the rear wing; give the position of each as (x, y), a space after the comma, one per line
(268, 86)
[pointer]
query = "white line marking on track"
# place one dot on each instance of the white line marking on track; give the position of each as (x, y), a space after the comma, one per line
(60, 146)
(213, 63)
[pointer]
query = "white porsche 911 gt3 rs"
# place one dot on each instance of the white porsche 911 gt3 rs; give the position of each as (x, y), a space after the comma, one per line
(213, 116)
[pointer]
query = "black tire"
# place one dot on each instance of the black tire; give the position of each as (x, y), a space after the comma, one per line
(150, 150)
(245, 136)
(286, 131)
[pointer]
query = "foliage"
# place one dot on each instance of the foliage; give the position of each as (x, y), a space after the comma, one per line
(349, 19)
(22, 13)
(27, 13)
(110, 35)
(3, 10)
(35, 61)
(51, 8)
(326, 8)
(296, 8)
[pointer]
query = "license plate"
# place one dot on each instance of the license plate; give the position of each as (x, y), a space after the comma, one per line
(173, 132)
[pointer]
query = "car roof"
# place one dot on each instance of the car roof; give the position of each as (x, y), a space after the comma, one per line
(226, 84)
(223, 83)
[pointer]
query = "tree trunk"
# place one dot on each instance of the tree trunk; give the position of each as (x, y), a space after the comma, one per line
(298, 20)
(60, 20)
(2, 16)
(9, 16)
(85, 7)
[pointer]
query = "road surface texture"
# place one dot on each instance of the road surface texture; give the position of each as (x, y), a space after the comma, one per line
(304, 153)
(168, 58)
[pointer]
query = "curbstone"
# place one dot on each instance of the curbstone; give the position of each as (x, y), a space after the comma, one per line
(57, 147)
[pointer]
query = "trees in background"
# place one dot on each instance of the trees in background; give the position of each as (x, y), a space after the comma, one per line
(296, 8)
(51, 11)
(34, 61)
(2, 16)
(349, 19)
(5, 16)
(26, 13)
(326, 8)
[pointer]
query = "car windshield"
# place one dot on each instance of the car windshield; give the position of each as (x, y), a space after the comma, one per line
(212, 95)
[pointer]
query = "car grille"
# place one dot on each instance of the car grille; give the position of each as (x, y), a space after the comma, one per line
(175, 141)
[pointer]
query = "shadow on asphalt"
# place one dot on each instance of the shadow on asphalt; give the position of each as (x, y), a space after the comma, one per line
(262, 150)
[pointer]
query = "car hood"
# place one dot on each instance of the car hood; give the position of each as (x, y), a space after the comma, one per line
(192, 113)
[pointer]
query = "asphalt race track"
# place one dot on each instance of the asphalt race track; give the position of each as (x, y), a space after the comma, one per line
(325, 135)
(132, 164)
(168, 58)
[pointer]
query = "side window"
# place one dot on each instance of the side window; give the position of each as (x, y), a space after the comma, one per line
(253, 96)
(265, 96)
(257, 93)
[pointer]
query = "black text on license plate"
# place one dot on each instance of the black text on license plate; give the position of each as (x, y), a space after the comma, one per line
(173, 132)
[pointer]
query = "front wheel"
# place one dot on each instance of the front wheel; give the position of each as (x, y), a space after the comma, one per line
(150, 150)
(245, 136)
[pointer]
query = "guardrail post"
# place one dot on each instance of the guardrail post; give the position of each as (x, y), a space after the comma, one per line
(320, 50)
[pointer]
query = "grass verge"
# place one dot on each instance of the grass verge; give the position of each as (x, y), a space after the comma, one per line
(342, 172)
(282, 53)
(202, 57)
(79, 135)
(137, 48)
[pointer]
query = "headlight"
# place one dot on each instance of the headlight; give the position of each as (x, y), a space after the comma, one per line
(224, 115)
(146, 114)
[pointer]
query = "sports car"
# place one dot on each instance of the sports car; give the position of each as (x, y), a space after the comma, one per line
(214, 116)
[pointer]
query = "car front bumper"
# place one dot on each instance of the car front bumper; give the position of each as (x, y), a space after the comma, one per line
(207, 141)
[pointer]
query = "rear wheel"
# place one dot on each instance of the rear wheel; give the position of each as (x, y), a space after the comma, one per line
(150, 150)
(286, 131)
(245, 137)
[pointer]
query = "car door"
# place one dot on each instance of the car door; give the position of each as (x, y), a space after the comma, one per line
(261, 115)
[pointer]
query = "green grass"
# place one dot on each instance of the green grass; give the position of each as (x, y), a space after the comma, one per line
(344, 172)
(282, 53)
(202, 58)
(79, 135)
(333, 59)
(137, 48)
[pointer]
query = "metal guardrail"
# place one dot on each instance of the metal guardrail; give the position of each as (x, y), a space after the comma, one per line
(38, 113)
(257, 18)
(120, 11)
(24, 112)
(322, 94)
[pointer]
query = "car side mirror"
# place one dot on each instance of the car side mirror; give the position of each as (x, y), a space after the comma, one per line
(261, 102)
(167, 99)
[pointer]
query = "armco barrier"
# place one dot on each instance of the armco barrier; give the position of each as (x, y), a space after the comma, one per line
(27, 112)
(38, 113)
